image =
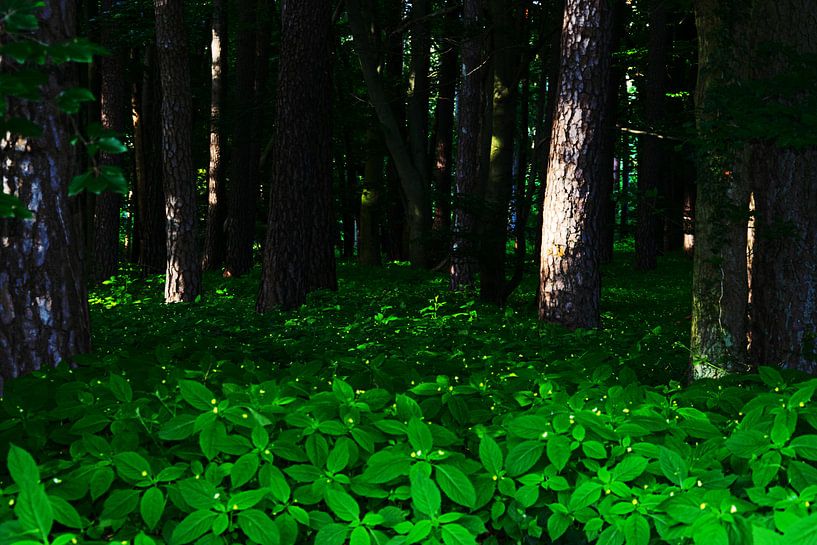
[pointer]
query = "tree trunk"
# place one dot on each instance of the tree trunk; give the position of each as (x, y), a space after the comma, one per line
(214, 242)
(463, 253)
(652, 159)
(244, 179)
(183, 275)
(624, 195)
(418, 91)
(784, 181)
(569, 276)
(302, 164)
(43, 303)
(370, 200)
(719, 285)
(411, 176)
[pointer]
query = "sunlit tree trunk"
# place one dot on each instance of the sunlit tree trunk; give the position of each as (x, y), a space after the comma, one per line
(569, 276)
(463, 252)
(43, 303)
(302, 162)
(214, 242)
(183, 275)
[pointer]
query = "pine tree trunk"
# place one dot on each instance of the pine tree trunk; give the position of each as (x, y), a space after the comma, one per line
(215, 240)
(652, 157)
(43, 303)
(183, 275)
(463, 248)
(419, 92)
(784, 181)
(569, 276)
(244, 179)
(302, 162)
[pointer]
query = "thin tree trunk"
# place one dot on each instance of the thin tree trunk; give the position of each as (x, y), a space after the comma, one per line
(463, 253)
(183, 275)
(569, 277)
(215, 242)
(302, 164)
(43, 302)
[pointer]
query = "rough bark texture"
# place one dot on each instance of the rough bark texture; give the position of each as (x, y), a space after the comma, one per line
(463, 253)
(719, 287)
(113, 110)
(569, 276)
(215, 240)
(302, 163)
(147, 138)
(784, 181)
(244, 179)
(43, 303)
(652, 159)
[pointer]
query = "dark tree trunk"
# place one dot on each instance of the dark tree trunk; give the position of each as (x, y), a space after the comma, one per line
(419, 92)
(719, 286)
(244, 180)
(302, 164)
(652, 159)
(147, 136)
(348, 172)
(113, 105)
(569, 277)
(370, 200)
(43, 303)
(183, 264)
(444, 135)
(463, 253)
(214, 242)
(784, 181)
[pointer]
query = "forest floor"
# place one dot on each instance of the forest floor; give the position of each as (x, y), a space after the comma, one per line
(399, 313)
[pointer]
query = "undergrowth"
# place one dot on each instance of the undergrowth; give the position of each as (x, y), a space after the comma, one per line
(394, 412)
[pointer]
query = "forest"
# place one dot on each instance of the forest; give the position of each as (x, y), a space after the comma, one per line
(396, 272)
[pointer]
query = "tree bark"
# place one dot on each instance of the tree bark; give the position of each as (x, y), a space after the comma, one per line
(215, 241)
(43, 302)
(569, 276)
(370, 200)
(463, 252)
(302, 163)
(183, 275)
(652, 159)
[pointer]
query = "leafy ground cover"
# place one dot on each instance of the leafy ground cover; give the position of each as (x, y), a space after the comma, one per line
(396, 413)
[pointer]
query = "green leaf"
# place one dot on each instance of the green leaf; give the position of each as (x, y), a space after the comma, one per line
(386, 466)
(424, 494)
(193, 526)
(11, 206)
(100, 482)
(332, 534)
(246, 499)
(672, 465)
(559, 451)
(710, 532)
(260, 437)
(70, 100)
(747, 443)
(805, 446)
(132, 467)
(456, 485)
(121, 389)
(419, 436)
(64, 512)
(244, 469)
(490, 455)
(272, 478)
(636, 530)
(120, 504)
(630, 468)
(523, 456)
(197, 395)
(177, 428)
(23, 468)
(299, 514)
(221, 524)
(585, 495)
(257, 526)
(529, 426)
(594, 449)
(143, 539)
(558, 523)
(34, 510)
(152, 506)
(338, 457)
(360, 536)
(343, 505)
(454, 534)
(783, 428)
(418, 532)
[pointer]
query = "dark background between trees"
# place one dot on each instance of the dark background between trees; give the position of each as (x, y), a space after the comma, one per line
(486, 139)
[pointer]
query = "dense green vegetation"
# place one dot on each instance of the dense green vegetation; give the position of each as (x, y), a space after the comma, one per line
(396, 412)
